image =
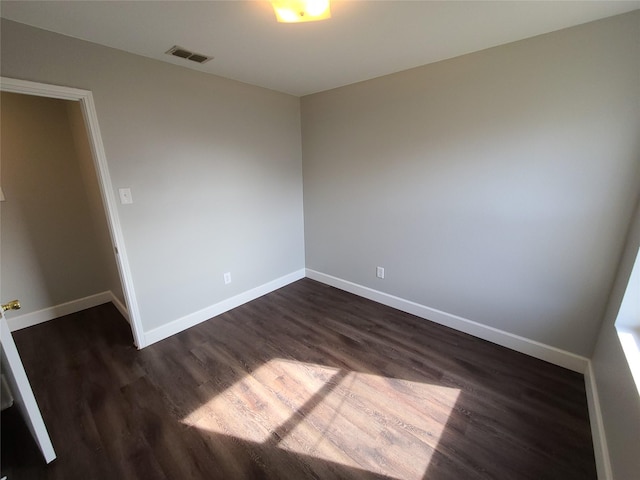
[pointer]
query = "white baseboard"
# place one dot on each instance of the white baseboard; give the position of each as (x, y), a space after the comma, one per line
(188, 321)
(40, 316)
(600, 448)
(120, 306)
(520, 344)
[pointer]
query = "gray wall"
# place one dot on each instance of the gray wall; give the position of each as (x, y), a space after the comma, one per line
(619, 398)
(496, 186)
(49, 248)
(213, 165)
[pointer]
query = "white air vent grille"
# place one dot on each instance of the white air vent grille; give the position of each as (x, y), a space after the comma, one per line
(177, 51)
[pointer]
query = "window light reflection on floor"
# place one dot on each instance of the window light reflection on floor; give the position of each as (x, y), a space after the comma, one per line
(335, 415)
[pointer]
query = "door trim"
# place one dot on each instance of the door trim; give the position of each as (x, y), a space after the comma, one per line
(85, 97)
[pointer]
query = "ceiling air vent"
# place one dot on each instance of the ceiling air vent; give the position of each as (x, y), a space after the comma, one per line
(177, 51)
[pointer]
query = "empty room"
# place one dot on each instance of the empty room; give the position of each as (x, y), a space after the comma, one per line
(328, 240)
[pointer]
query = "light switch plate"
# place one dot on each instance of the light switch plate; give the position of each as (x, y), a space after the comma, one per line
(125, 196)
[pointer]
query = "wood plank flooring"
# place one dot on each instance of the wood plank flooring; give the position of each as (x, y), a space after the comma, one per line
(306, 382)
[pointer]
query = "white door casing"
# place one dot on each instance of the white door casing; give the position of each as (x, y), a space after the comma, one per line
(85, 97)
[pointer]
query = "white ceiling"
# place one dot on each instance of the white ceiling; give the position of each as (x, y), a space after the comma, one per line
(363, 40)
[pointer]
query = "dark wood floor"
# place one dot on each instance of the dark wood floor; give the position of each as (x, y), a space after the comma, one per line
(306, 382)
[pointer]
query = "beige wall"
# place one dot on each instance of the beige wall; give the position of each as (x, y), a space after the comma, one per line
(214, 167)
(497, 186)
(49, 247)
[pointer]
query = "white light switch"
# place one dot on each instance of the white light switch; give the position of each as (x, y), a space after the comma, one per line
(125, 196)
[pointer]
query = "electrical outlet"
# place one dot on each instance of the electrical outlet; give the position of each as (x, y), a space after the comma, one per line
(380, 272)
(227, 278)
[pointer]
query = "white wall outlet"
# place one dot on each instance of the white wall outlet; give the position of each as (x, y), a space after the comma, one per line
(227, 278)
(380, 272)
(125, 196)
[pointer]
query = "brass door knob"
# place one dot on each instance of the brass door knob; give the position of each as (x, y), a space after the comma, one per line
(12, 305)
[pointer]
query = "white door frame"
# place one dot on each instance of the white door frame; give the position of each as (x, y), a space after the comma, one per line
(85, 97)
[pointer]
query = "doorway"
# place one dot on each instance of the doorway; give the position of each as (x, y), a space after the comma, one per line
(101, 270)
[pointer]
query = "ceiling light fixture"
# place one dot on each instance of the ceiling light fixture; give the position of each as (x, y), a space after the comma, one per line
(294, 11)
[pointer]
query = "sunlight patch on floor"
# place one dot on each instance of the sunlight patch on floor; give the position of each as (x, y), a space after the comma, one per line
(254, 407)
(384, 425)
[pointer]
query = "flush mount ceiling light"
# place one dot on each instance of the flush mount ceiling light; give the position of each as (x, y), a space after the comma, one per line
(293, 11)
